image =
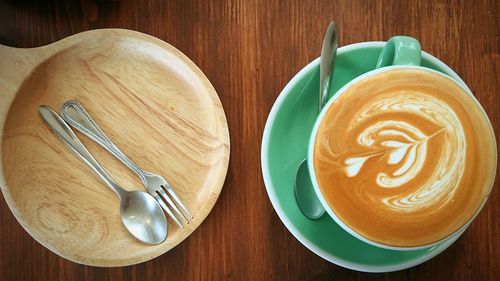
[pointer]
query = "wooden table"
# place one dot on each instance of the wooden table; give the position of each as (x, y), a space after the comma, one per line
(249, 50)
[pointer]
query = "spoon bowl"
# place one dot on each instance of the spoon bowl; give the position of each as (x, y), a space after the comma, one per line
(141, 216)
(307, 200)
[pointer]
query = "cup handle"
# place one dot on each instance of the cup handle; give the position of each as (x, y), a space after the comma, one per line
(400, 50)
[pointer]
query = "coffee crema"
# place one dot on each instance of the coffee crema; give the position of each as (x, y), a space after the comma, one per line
(405, 157)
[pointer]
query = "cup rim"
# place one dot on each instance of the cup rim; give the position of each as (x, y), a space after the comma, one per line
(312, 139)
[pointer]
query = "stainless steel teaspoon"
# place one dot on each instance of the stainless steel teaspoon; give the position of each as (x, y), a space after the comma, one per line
(306, 198)
(141, 214)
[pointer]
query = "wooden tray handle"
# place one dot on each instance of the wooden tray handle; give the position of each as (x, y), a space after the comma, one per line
(16, 65)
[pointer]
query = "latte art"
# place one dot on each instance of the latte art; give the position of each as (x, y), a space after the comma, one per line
(404, 157)
(405, 146)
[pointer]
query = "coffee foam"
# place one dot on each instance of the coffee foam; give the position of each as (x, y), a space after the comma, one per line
(391, 157)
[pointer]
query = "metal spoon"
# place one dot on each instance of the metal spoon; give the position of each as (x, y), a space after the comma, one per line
(306, 198)
(141, 214)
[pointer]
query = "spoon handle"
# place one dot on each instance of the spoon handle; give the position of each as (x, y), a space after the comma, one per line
(60, 128)
(327, 62)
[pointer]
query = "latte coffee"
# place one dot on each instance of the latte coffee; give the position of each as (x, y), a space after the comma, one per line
(405, 157)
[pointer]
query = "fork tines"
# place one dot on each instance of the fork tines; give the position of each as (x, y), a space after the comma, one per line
(167, 195)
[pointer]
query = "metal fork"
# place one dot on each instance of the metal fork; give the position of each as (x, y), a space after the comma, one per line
(75, 114)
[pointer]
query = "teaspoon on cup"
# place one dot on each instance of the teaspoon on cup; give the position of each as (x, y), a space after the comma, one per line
(140, 213)
(307, 200)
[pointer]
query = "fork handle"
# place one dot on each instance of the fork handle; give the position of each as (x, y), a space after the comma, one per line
(75, 114)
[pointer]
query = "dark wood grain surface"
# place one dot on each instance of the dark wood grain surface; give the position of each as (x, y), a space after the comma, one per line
(249, 50)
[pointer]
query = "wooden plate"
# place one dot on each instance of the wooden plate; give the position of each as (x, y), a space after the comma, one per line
(151, 100)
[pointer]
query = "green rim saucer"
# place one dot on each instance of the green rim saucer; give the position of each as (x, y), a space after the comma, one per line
(284, 146)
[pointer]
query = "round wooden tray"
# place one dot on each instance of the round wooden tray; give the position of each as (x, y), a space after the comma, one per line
(151, 100)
